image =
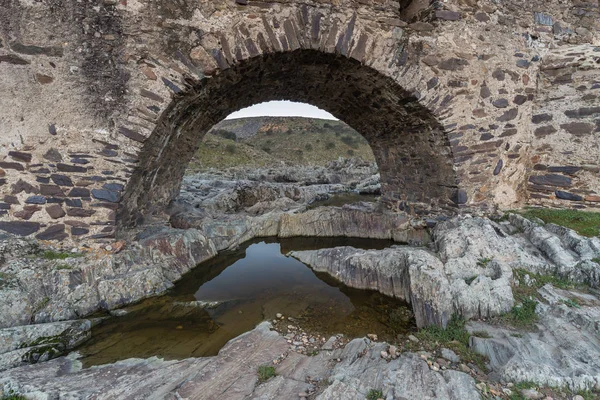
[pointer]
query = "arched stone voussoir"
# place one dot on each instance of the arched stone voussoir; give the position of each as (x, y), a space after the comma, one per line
(409, 144)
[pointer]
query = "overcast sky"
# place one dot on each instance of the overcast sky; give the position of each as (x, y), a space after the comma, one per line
(281, 109)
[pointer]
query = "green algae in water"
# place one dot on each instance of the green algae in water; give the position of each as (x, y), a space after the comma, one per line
(236, 290)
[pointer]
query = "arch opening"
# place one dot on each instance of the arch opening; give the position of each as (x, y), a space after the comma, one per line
(409, 144)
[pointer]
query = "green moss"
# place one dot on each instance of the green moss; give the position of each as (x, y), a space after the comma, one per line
(266, 372)
(374, 394)
(58, 255)
(583, 222)
(63, 266)
(13, 397)
(482, 334)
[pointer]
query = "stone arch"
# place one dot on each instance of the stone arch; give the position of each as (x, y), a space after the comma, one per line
(84, 96)
(409, 143)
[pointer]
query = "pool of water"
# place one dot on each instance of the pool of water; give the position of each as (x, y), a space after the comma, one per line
(246, 286)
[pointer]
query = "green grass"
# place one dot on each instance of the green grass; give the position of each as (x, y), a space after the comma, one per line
(374, 394)
(573, 303)
(266, 372)
(541, 280)
(455, 331)
(483, 262)
(596, 260)
(293, 140)
(522, 315)
(454, 337)
(13, 397)
(482, 334)
(583, 222)
(58, 255)
(63, 266)
(562, 393)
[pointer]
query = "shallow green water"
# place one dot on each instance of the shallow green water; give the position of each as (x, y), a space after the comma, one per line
(250, 285)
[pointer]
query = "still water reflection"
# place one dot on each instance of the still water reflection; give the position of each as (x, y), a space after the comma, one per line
(245, 287)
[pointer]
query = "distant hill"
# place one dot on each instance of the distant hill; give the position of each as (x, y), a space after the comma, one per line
(264, 141)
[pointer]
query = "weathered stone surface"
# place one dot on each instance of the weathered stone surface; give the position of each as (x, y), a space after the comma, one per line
(508, 115)
(453, 64)
(544, 131)
(55, 232)
(568, 196)
(79, 192)
(19, 228)
(61, 180)
(55, 211)
(108, 195)
(500, 103)
(538, 119)
(448, 15)
(70, 168)
(498, 167)
(13, 59)
(27, 212)
(551, 180)
(20, 156)
(232, 374)
(12, 165)
(80, 212)
(51, 190)
(562, 352)
(578, 128)
(35, 200)
(19, 345)
(78, 231)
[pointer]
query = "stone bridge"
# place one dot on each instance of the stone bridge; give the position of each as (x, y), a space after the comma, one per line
(467, 104)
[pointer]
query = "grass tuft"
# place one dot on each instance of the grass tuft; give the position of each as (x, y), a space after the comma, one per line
(374, 394)
(522, 315)
(58, 255)
(454, 337)
(483, 262)
(573, 303)
(583, 222)
(266, 372)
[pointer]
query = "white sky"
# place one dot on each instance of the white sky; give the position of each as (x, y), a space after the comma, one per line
(281, 109)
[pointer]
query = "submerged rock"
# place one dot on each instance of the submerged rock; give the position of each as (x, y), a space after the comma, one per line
(40, 342)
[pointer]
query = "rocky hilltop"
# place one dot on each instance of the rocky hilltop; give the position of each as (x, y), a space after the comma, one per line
(273, 141)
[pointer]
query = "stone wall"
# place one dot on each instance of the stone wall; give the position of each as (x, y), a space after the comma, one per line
(566, 129)
(106, 100)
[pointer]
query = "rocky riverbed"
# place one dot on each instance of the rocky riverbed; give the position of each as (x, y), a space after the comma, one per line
(474, 267)
(491, 273)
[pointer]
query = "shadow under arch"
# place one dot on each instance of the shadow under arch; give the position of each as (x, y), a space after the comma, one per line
(410, 146)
